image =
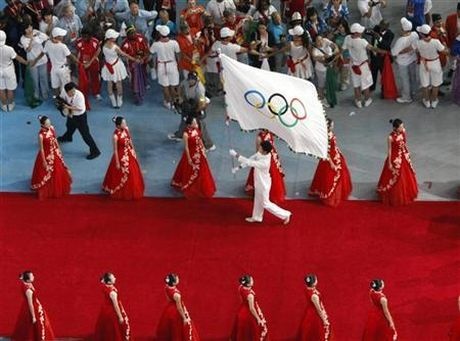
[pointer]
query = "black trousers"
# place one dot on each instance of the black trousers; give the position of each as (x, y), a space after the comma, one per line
(376, 67)
(80, 123)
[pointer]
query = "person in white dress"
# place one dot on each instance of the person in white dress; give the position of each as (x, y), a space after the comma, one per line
(430, 69)
(8, 81)
(361, 75)
(406, 59)
(299, 60)
(323, 51)
(167, 54)
(260, 161)
(114, 70)
(32, 42)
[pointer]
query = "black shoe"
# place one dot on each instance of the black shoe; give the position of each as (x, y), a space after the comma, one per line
(62, 139)
(93, 155)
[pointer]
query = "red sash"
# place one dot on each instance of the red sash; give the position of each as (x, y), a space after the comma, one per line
(110, 66)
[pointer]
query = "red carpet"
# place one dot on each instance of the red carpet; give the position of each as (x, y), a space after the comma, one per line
(68, 243)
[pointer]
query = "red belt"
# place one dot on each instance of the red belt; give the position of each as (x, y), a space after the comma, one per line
(110, 66)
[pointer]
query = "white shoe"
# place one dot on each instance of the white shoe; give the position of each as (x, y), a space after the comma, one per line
(213, 147)
(368, 102)
(98, 97)
(167, 105)
(434, 104)
(426, 103)
(119, 101)
(113, 100)
(4, 107)
(325, 104)
(343, 87)
(403, 100)
(252, 220)
(358, 104)
(11, 106)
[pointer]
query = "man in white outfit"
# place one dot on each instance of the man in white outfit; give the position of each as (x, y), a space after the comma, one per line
(260, 161)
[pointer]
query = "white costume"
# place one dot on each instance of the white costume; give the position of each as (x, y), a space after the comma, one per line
(302, 61)
(229, 49)
(376, 15)
(430, 69)
(359, 59)
(167, 71)
(262, 185)
(7, 74)
(119, 70)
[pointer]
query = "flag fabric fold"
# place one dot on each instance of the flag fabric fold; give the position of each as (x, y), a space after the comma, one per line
(287, 106)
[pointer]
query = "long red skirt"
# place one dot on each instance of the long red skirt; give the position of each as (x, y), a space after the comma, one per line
(311, 328)
(194, 183)
(245, 327)
(172, 328)
(377, 328)
(404, 191)
(25, 330)
(58, 184)
(124, 186)
(330, 189)
(109, 328)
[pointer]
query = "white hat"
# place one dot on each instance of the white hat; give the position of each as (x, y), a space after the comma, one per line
(2, 38)
(296, 16)
(425, 29)
(357, 28)
(163, 29)
(296, 31)
(111, 34)
(406, 24)
(225, 32)
(58, 32)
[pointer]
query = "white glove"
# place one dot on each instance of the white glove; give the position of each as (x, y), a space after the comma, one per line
(235, 169)
(233, 152)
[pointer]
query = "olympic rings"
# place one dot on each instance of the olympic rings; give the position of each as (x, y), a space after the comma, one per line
(278, 106)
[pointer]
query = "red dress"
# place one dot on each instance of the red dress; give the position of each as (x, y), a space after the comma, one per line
(398, 186)
(127, 182)
(332, 186)
(377, 327)
(245, 327)
(171, 326)
(278, 189)
(25, 330)
(193, 17)
(107, 326)
(312, 327)
(195, 181)
(55, 181)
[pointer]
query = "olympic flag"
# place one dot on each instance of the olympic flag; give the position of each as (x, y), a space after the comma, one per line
(285, 105)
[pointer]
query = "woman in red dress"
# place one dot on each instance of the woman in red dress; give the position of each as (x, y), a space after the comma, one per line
(454, 334)
(33, 323)
(278, 189)
(175, 322)
(332, 181)
(112, 323)
(250, 324)
(50, 178)
(192, 15)
(315, 324)
(123, 179)
(380, 325)
(397, 184)
(193, 175)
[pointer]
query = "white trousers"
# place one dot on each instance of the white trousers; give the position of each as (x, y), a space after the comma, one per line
(262, 202)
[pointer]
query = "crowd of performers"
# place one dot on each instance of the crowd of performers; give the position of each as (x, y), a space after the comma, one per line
(176, 323)
(91, 41)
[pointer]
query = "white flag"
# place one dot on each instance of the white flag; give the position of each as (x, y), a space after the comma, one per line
(287, 106)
